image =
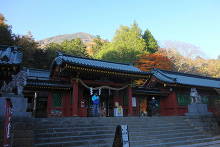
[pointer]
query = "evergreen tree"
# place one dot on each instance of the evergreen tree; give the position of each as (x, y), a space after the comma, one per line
(126, 47)
(74, 47)
(29, 48)
(97, 46)
(151, 44)
(6, 36)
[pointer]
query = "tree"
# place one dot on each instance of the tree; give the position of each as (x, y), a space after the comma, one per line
(74, 47)
(6, 36)
(50, 52)
(151, 44)
(126, 46)
(29, 48)
(156, 60)
(185, 49)
(98, 43)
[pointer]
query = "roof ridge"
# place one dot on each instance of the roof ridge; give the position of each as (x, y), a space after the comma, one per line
(38, 69)
(159, 71)
(63, 54)
(187, 74)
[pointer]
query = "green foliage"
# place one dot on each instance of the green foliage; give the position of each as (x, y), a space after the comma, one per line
(30, 51)
(126, 47)
(151, 44)
(74, 47)
(50, 52)
(99, 43)
(6, 36)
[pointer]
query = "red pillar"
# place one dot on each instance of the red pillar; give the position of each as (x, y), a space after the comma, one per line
(49, 103)
(169, 105)
(130, 110)
(75, 98)
(68, 105)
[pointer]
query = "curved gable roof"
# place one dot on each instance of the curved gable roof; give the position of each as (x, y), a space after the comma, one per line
(185, 79)
(93, 63)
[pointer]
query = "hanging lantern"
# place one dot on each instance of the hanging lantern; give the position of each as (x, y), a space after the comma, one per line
(91, 91)
(100, 91)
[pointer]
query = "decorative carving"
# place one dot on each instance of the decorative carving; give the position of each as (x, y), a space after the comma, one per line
(195, 97)
(18, 82)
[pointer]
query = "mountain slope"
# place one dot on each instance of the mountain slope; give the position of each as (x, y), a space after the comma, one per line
(85, 37)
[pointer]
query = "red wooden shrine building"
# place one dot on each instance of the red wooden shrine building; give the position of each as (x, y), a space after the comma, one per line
(112, 81)
(73, 80)
(179, 86)
(67, 88)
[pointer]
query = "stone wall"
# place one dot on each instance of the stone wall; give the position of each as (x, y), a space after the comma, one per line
(22, 132)
(1, 132)
(19, 106)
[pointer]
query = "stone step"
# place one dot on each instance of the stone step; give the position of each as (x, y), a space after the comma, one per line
(148, 124)
(141, 124)
(215, 143)
(151, 129)
(75, 129)
(55, 130)
(105, 119)
(75, 138)
(78, 143)
(171, 140)
(58, 119)
(74, 133)
(163, 136)
(99, 132)
(111, 131)
(182, 143)
(156, 133)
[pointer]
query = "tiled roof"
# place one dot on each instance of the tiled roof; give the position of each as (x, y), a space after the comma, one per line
(37, 73)
(47, 83)
(10, 55)
(41, 78)
(185, 79)
(93, 63)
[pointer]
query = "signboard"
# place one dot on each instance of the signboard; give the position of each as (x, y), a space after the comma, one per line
(124, 134)
(134, 102)
(121, 138)
(7, 123)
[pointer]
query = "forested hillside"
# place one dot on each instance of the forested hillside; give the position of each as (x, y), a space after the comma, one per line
(130, 45)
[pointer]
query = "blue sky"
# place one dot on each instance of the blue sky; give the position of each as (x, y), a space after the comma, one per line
(192, 21)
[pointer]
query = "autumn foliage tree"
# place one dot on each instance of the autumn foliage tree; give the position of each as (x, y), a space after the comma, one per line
(146, 62)
(156, 60)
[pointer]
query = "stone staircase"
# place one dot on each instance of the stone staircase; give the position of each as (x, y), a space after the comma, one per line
(99, 132)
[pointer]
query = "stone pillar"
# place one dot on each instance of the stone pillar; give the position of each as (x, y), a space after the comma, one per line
(130, 109)
(75, 97)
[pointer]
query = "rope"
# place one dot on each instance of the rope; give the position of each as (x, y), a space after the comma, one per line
(102, 87)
